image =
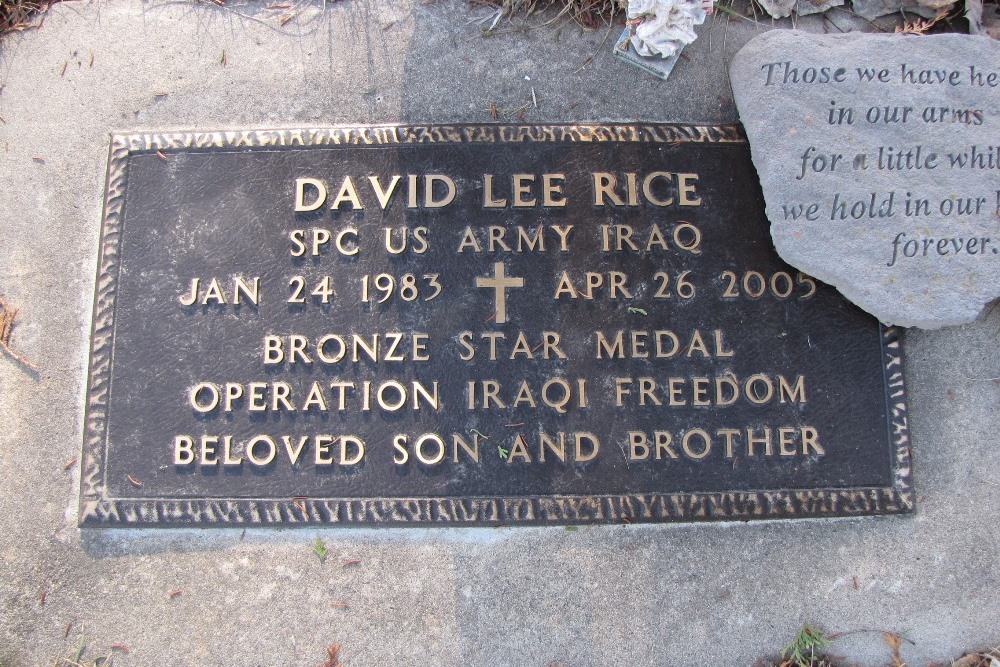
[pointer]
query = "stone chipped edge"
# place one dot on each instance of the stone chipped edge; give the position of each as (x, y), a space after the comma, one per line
(98, 509)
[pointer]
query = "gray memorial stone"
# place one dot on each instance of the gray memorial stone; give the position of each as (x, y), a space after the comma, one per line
(872, 9)
(782, 8)
(880, 165)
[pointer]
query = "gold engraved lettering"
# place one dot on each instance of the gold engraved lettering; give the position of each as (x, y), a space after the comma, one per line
(280, 392)
(675, 388)
(622, 390)
(639, 446)
(402, 455)
(646, 387)
(786, 445)
(565, 286)
(659, 188)
(563, 232)
(753, 441)
(586, 438)
(347, 442)
(388, 395)
(345, 242)
(666, 345)
(321, 448)
(522, 188)
(687, 444)
(547, 348)
(459, 442)
(604, 186)
(729, 434)
(489, 201)
(556, 393)
(616, 285)
(721, 391)
(550, 189)
(720, 348)
(792, 394)
(208, 454)
(721, 384)
(332, 348)
(625, 238)
(697, 344)
(411, 191)
(295, 451)
(469, 241)
(347, 193)
(686, 189)
(519, 450)
(257, 401)
(419, 235)
(429, 181)
(214, 294)
(699, 387)
(809, 441)
(647, 188)
(586, 447)
(431, 448)
(233, 392)
(383, 194)
(196, 395)
(439, 449)
(524, 395)
(496, 239)
(697, 444)
(300, 194)
(517, 239)
(252, 450)
(558, 449)
(531, 243)
(341, 389)
(227, 454)
(757, 384)
(632, 189)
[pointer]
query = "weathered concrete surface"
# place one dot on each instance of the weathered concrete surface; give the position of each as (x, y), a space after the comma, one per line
(651, 595)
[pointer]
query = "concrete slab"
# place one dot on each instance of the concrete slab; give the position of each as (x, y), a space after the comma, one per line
(652, 595)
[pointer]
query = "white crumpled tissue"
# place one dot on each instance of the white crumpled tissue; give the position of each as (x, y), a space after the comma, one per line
(663, 27)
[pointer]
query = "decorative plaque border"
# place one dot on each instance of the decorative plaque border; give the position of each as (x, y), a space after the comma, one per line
(97, 508)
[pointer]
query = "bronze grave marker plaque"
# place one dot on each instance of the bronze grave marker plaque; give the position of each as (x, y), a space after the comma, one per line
(471, 325)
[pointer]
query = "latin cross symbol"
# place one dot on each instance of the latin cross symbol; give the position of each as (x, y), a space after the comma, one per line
(500, 283)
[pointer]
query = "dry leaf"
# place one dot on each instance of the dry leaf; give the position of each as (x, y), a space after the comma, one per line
(920, 26)
(892, 640)
(332, 657)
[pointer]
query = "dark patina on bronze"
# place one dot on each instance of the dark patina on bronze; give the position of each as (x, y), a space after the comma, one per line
(752, 391)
